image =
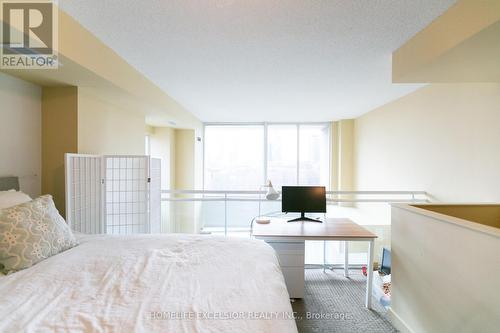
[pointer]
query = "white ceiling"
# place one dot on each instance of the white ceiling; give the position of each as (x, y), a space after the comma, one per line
(263, 60)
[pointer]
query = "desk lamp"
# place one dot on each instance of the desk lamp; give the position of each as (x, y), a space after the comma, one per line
(271, 194)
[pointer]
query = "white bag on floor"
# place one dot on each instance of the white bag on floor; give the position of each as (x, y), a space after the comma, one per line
(378, 289)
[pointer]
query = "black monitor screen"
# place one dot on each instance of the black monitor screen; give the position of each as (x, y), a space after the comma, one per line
(303, 199)
(386, 261)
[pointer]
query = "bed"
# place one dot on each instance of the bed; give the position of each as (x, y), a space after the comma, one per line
(150, 283)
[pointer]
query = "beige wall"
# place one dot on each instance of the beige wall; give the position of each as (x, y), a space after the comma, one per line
(104, 128)
(39, 125)
(444, 273)
(77, 121)
(176, 148)
(186, 217)
(184, 159)
(163, 147)
(334, 155)
(59, 136)
(342, 157)
(488, 215)
(443, 138)
(461, 45)
(346, 158)
(21, 132)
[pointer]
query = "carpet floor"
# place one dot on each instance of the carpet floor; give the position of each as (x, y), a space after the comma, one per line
(333, 303)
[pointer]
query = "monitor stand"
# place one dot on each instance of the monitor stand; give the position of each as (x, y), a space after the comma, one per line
(304, 218)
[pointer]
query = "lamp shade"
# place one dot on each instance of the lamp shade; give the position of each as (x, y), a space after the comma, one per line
(271, 192)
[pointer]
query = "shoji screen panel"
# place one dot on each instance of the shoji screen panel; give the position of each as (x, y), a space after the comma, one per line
(84, 193)
(155, 195)
(127, 194)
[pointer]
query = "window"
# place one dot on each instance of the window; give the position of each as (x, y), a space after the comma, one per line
(242, 157)
(282, 154)
(314, 155)
(234, 157)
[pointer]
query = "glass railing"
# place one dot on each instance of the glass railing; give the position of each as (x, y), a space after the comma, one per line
(230, 213)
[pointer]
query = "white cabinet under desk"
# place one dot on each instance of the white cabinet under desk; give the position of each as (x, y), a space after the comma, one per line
(288, 240)
(291, 259)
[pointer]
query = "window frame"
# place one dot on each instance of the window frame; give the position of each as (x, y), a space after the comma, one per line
(265, 142)
(147, 144)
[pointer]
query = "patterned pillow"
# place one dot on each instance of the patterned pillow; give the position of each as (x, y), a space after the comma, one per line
(32, 232)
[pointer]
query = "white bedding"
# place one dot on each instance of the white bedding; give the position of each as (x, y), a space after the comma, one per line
(141, 283)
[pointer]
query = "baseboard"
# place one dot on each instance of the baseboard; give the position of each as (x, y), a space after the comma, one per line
(397, 322)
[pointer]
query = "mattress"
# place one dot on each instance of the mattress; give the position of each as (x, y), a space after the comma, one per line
(150, 283)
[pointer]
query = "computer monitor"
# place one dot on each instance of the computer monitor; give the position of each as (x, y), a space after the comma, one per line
(385, 267)
(303, 199)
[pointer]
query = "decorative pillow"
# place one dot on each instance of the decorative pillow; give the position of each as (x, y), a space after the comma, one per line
(32, 232)
(12, 198)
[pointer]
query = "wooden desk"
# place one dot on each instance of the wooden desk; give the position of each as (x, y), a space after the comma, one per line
(288, 241)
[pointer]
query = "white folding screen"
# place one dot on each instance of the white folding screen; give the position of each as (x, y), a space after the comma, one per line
(128, 195)
(84, 195)
(126, 205)
(155, 198)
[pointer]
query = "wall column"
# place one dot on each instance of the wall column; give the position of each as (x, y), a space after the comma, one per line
(59, 136)
(343, 157)
(186, 217)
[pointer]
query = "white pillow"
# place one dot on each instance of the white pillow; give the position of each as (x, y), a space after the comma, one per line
(13, 198)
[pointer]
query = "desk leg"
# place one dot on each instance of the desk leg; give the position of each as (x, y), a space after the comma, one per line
(346, 259)
(324, 256)
(369, 280)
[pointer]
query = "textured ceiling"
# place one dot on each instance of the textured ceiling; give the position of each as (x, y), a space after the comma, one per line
(263, 60)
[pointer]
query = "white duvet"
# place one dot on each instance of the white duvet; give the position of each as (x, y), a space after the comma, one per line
(150, 283)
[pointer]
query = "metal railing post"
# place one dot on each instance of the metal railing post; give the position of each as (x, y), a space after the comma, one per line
(225, 214)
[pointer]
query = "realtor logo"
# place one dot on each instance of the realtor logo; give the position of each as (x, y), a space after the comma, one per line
(29, 34)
